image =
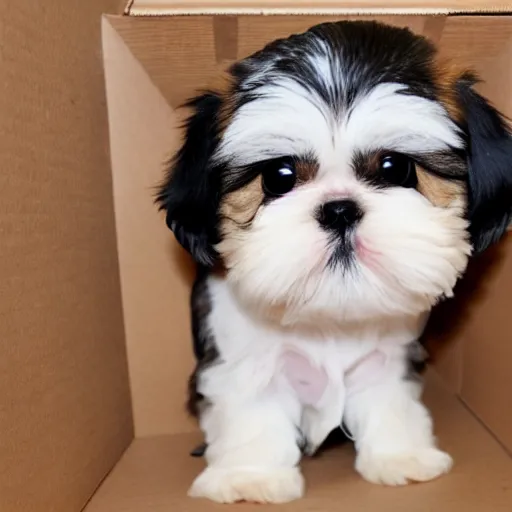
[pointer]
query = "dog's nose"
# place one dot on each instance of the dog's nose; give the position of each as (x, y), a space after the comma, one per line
(339, 215)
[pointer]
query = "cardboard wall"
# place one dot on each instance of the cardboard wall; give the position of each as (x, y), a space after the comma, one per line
(487, 332)
(65, 413)
(470, 336)
(156, 275)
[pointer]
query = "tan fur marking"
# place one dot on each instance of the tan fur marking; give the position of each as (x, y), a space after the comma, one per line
(222, 82)
(306, 170)
(239, 207)
(447, 74)
(439, 191)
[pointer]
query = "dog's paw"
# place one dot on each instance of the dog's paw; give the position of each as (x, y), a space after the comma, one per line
(401, 468)
(261, 486)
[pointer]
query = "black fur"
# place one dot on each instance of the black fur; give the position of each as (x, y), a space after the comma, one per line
(369, 54)
(417, 359)
(205, 349)
(199, 450)
(489, 168)
(340, 220)
(189, 193)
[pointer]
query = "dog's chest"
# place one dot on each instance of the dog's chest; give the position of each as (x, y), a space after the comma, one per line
(307, 380)
(322, 386)
(311, 378)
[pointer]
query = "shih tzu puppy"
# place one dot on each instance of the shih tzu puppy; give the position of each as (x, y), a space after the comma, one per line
(331, 188)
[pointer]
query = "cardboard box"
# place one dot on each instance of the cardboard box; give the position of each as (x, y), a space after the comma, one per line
(94, 322)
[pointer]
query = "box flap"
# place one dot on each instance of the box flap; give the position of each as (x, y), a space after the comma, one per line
(155, 273)
(177, 7)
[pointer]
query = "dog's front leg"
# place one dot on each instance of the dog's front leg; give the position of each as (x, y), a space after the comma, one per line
(392, 430)
(252, 453)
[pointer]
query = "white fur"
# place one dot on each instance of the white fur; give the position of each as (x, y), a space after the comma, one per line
(288, 120)
(384, 118)
(269, 485)
(410, 252)
(393, 432)
(404, 263)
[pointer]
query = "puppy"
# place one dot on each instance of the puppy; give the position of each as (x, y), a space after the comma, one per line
(331, 190)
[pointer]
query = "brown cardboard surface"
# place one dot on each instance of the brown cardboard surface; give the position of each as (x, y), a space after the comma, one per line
(165, 52)
(473, 339)
(154, 7)
(155, 274)
(161, 44)
(488, 338)
(155, 473)
(65, 413)
(488, 348)
(469, 338)
(490, 53)
(476, 40)
(256, 31)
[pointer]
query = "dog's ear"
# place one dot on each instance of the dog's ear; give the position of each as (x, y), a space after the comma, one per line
(189, 192)
(489, 167)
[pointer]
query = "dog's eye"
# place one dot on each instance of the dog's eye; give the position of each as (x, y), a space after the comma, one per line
(398, 169)
(279, 177)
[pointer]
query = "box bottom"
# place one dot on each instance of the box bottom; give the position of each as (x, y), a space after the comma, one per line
(155, 473)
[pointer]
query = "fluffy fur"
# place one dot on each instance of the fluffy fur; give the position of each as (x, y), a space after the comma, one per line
(331, 191)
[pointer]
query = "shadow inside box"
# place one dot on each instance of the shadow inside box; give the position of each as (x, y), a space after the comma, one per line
(336, 438)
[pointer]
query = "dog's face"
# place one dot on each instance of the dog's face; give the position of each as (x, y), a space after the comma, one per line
(342, 173)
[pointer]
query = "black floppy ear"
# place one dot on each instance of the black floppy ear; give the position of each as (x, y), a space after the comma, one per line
(189, 193)
(489, 168)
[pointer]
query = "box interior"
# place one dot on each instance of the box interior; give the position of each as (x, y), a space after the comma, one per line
(94, 289)
(151, 69)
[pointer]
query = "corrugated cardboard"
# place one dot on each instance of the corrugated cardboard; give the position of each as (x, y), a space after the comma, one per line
(65, 413)
(94, 313)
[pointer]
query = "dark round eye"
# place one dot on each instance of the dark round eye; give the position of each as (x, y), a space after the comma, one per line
(279, 177)
(398, 169)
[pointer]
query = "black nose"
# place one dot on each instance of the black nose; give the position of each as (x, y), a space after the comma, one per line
(339, 215)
